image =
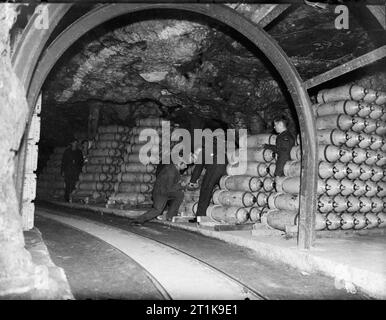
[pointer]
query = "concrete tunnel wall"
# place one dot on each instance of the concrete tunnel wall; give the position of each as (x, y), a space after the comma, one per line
(18, 273)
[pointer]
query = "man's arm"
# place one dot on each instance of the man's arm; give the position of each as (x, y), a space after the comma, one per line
(196, 172)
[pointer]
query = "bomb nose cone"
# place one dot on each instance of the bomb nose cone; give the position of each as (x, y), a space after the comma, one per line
(372, 107)
(348, 170)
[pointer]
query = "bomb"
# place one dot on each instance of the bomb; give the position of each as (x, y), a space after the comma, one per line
(381, 187)
(288, 184)
(234, 198)
(138, 167)
(231, 215)
(352, 139)
(136, 177)
(293, 168)
(359, 124)
(359, 187)
(347, 187)
(326, 169)
(372, 220)
(254, 214)
(296, 153)
(240, 183)
(283, 201)
(346, 155)
(365, 204)
(331, 187)
(100, 169)
(260, 155)
(377, 173)
(360, 221)
(380, 128)
(325, 204)
(376, 112)
(340, 170)
(366, 172)
(271, 169)
(365, 140)
(347, 107)
(105, 160)
(371, 189)
(353, 204)
(128, 198)
(333, 221)
(262, 169)
(382, 220)
(109, 136)
(359, 155)
(261, 198)
(381, 159)
(340, 121)
(107, 144)
(133, 187)
(150, 122)
(347, 221)
(113, 129)
(334, 137)
(268, 184)
(353, 171)
(329, 153)
(376, 143)
(106, 152)
(377, 205)
(340, 204)
(279, 219)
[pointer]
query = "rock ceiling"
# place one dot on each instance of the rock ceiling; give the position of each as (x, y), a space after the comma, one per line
(184, 61)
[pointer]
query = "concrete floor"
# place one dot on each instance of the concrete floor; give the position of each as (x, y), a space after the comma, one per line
(275, 280)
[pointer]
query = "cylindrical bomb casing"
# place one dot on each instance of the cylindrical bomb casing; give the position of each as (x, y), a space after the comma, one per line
(381, 156)
(346, 155)
(347, 107)
(288, 184)
(347, 221)
(231, 215)
(359, 155)
(113, 129)
(347, 187)
(376, 143)
(370, 126)
(333, 221)
(325, 204)
(351, 92)
(382, 220)
(381, 187)
(240, 183)
(293, 168)
(358, 124)
(102, 177)
(352, 139)
(234, 198)
(109, 136)
(136, 177)
(105, 152)
(132, 187)
(380, 128)
(329, 153)
(373, 157)
(377, 205)
(261, 198)
(104, 160)
(353, 204)
(283, 201)
(128, 198)
(366, 172)
(260, 155)
(138, 167)
(340, 121)
(340, 204)
(331, 187)
(268, 184)
(365, 140)
(377, 173)
(359, 187)
(254, 214)
(271, 169)
(326, 169)
(109, 144)
(372, 220)
(365, 204)
(353, 170)
(371, 189)
(262, 169)
(376, 112)
(332, 136)
(151, 131)
(340, 170)
(142, 158)
(258, 140)
(279, 219)
(243, 168)
(296, 153)
(136, 148)
(100, 168)
(360, 221)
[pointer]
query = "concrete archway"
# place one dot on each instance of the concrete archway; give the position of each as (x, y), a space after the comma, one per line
(33, 78)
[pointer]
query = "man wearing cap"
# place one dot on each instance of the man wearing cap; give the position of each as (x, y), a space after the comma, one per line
(71, 167)
(167, 189)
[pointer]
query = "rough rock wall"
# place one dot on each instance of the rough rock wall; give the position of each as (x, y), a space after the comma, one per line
(17, 272)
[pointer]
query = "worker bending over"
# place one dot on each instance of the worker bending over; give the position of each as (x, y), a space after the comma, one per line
(284, 143)
(167, 189)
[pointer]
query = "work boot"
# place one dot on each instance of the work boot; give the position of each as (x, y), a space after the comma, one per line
(194, 220)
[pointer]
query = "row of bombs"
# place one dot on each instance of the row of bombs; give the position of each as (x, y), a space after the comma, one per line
(279, 219)
(326, 204)
(351, 92)
(357, 124)
(146, 122)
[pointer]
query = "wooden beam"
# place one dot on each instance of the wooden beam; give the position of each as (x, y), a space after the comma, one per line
(379, 12)
(347, 67)
(271, 12)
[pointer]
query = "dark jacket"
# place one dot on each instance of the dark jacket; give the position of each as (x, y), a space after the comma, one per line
(208, 166)
(167, 181)
(284, 143)
(72, 162)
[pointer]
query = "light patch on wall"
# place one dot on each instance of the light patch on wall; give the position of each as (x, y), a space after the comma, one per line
(155, 76)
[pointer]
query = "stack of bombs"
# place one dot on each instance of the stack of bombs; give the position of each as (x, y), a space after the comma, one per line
(135, 179)
(100, 172)
(351, 132)
(50, 183)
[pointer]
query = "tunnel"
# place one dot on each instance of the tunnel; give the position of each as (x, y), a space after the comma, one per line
(103, 74)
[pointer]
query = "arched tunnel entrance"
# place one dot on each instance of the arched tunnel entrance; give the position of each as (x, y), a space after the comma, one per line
(234, 20)
(39, 51)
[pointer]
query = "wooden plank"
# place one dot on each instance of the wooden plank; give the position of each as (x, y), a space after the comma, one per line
(379, 12)
(347, 67)
(342, 233)
(233, 227)
(270, 13)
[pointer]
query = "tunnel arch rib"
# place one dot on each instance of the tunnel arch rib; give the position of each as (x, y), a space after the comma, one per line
(47, 59)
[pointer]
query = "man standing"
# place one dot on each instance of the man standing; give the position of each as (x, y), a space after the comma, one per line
(167, 188)
(284, 143)
(71, 167)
